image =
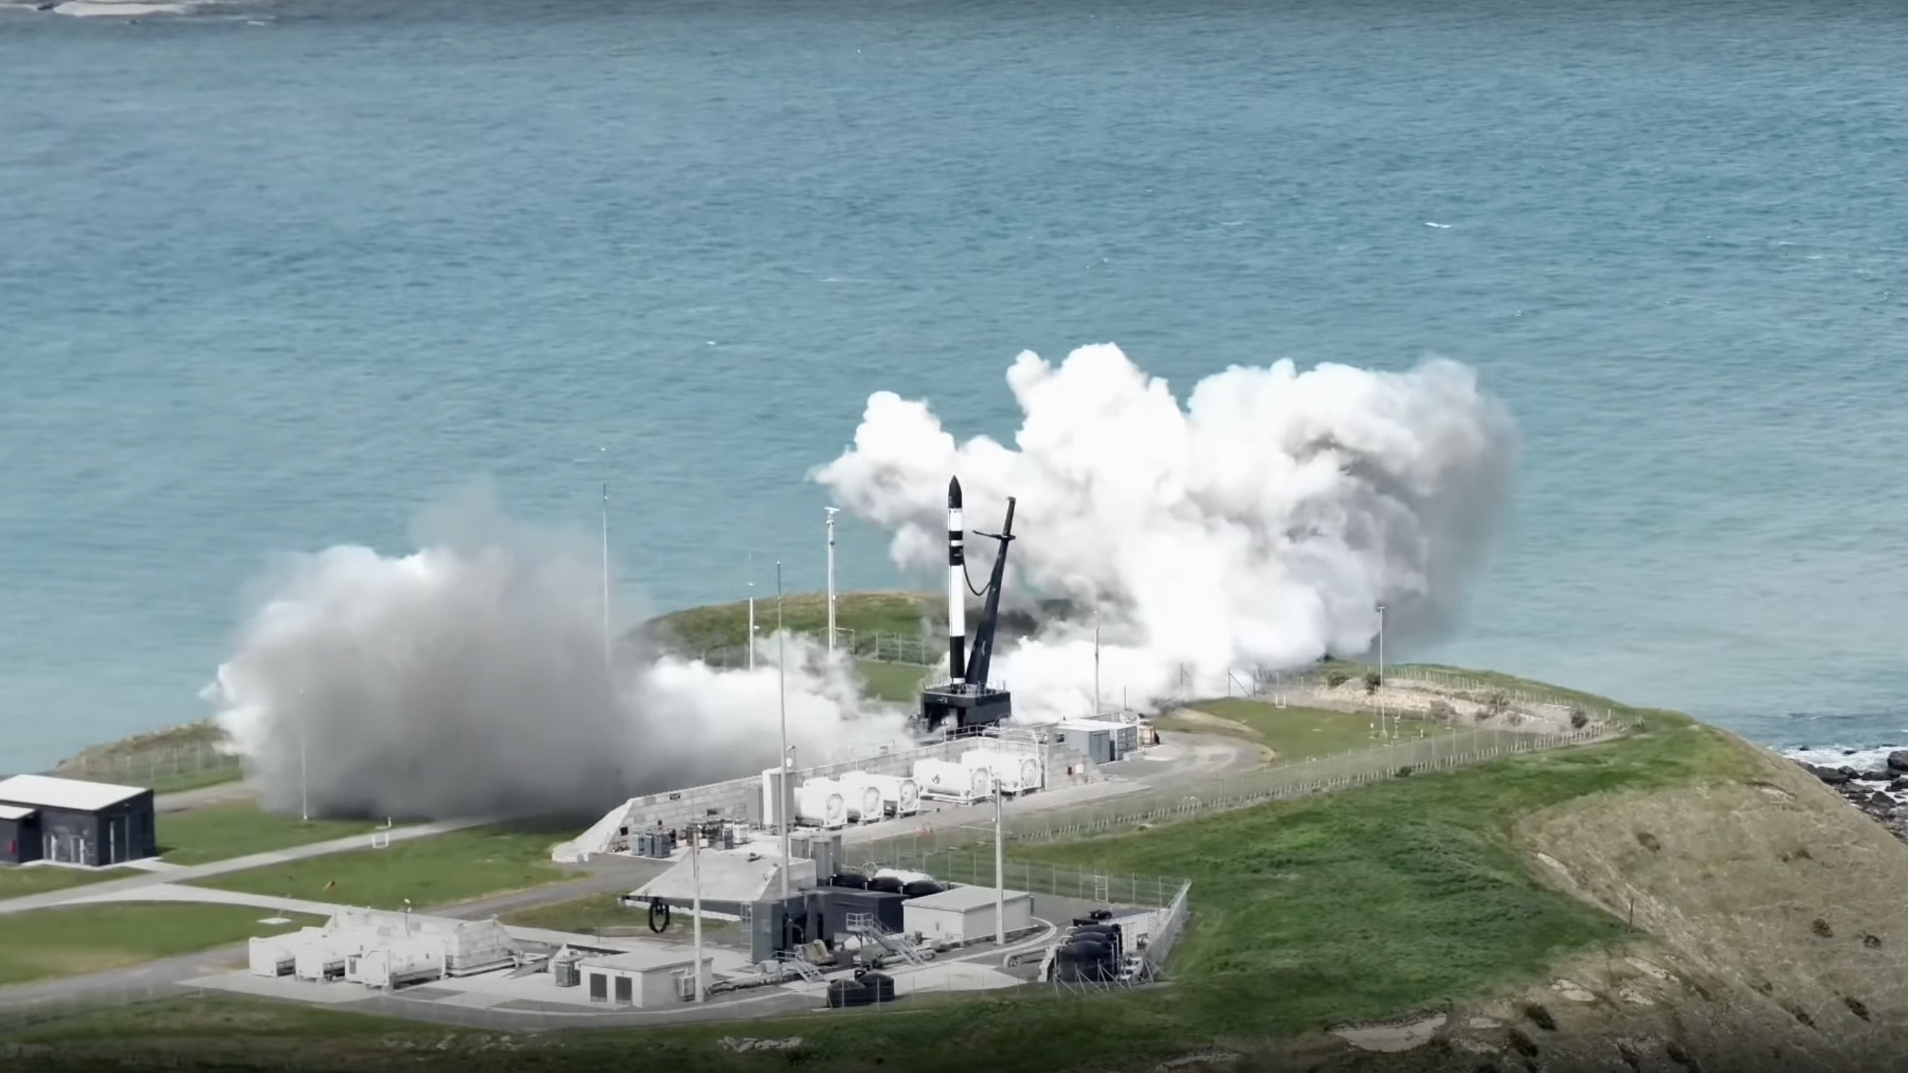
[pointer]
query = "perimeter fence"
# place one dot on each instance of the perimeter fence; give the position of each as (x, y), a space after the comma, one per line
(926, 651)
(163, 767)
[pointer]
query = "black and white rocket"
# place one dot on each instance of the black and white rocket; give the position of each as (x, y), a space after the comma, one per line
(956, 586)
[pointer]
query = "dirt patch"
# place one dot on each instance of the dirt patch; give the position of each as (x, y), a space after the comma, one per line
(1391, 1037)
(1195, 718)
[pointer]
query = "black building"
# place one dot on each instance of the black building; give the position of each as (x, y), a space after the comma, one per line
(74, 822)
(19, 834)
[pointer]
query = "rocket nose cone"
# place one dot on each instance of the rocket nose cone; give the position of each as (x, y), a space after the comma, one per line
(953, 493)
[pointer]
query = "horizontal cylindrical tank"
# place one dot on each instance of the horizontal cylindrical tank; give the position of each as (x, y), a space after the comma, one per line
(1011, 772)
(904, 875)
(863, 797)
(900, 794)
(951, 779)
(819, 803)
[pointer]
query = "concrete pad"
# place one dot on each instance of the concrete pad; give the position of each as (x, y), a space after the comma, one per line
(945, 976)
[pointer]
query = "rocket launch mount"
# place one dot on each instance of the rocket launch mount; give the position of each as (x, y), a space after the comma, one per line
(965, 699)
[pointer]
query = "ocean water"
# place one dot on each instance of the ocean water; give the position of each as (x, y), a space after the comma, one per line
(275, 275)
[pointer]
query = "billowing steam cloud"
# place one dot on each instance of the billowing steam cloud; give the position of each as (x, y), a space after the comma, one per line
(469, 679)
(1259, 526)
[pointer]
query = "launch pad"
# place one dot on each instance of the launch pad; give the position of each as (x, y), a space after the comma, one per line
(967, 702)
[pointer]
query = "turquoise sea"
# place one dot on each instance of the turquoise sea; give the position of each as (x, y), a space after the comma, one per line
(276, 275)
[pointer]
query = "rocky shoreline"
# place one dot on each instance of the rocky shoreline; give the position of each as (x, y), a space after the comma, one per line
(1881, 792)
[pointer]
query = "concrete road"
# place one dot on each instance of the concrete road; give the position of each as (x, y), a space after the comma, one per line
(52, 898)
(216, 794)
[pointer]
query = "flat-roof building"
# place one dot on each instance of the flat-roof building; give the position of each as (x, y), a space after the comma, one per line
(75, 822)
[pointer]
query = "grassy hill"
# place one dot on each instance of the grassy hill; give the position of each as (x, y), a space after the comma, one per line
(1677, 899)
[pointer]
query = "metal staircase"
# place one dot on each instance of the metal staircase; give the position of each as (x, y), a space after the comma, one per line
(867, 926)
(800, 966)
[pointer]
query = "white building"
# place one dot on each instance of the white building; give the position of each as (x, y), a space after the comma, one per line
(646, 980)
(384, 949)
(964, 914)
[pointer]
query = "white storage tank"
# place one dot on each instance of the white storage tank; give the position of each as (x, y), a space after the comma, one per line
(863, 797)
(1005, 770)
(819, 803)
(899, 794)
(944, 778)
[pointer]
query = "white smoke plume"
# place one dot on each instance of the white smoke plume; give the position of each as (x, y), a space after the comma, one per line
(468, 679)
(1260, 525)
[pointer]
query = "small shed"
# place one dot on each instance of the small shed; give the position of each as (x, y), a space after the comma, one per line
(19, 834)
(646, 980)
(87, 823)
(964, 914)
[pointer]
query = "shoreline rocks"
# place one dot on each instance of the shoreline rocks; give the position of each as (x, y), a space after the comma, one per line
(1882, 793)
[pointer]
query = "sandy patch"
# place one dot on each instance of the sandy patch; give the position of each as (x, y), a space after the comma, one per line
(1482, 1023)
(1391, 1038)
(1634, 997)
(1571, 991)
(1649, 968)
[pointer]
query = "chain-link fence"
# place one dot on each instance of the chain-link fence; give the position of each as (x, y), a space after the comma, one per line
(163, 767)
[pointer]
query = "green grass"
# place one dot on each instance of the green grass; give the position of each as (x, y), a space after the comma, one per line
(1301, 733)
(1364, 904)
(725, 625)
(18, 882)
(82, 939)
(439, 870)
(239, 828)
(896, 682)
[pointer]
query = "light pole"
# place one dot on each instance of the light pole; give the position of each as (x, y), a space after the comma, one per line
(304, 782)
(607, 659)
(782, 805)
(751, 611)
(1096, 663)
(695, 909)
(829, 513)
(1381, 670)
(1000, 875)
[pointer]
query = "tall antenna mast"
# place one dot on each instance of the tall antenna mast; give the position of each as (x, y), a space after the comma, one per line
(751, 610)
(830, 513)
(782, 807)
(607, 656)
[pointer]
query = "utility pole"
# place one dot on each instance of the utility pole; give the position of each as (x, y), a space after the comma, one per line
(751, 610)
(1000, 875)
(304, 783)
(783, 806)
(830, 513)
(695, 880)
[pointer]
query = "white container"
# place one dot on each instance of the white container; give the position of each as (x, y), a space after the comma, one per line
(1003, 769)
(863, 796)
(899, 794)
(1031, 777)
(946, 779)
(819, 803)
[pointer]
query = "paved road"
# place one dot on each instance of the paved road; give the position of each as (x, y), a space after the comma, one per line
(216, 794)
(52, 898)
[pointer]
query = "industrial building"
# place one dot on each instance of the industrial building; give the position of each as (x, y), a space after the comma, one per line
(1100, 740)
(966, 914)
(645, 980)
(68, 821)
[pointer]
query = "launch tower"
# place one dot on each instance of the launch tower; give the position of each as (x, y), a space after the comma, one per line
(965, 700)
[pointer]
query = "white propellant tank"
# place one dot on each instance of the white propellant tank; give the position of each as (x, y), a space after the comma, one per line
(820, 803)
(863, 797)
(944, 778)
(1011, 772)
(899, 794)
